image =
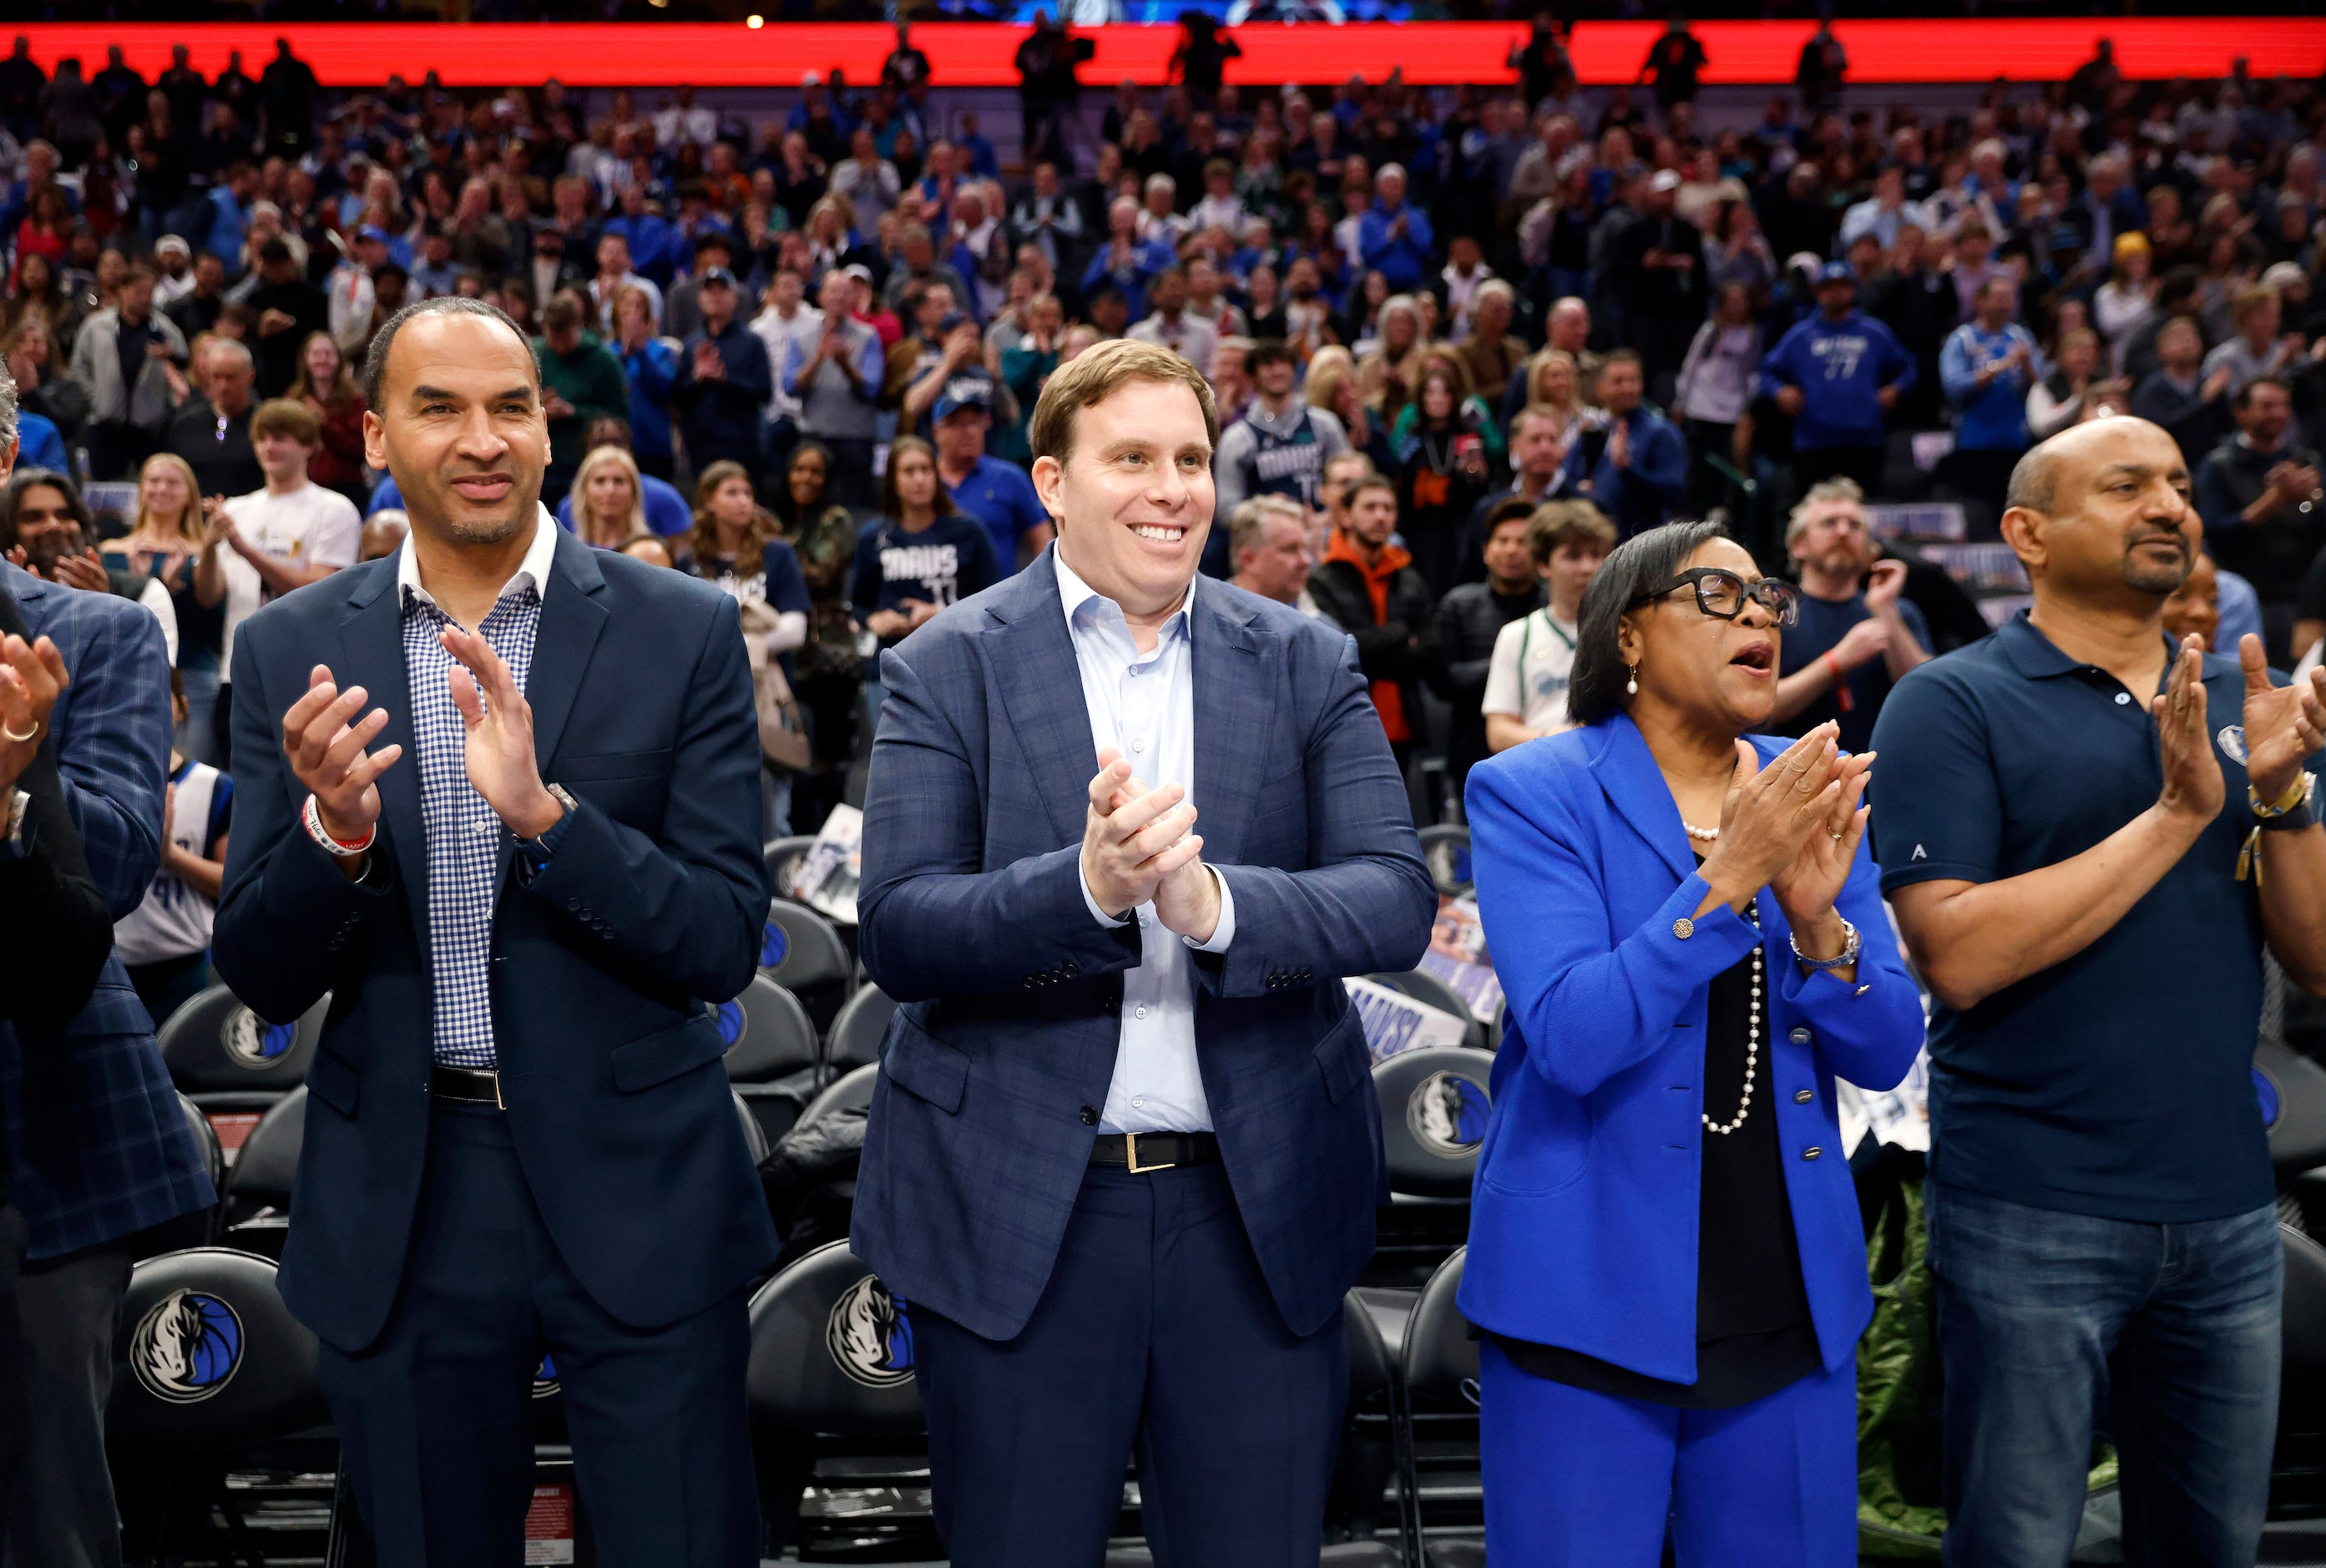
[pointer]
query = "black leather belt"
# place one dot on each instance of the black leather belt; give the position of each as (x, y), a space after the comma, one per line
(1141, 1152)
(470, 1086)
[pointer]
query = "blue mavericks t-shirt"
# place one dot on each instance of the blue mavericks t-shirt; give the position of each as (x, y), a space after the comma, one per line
(999, 495)
(1824, 623)
(945, 562)
(2119, 1082)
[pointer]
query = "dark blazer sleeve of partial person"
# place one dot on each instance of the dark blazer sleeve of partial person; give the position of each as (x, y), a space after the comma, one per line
(1367, 901)
(689, 908)
(115, 762)
(283, 890)
(60, 930)
(930, 922)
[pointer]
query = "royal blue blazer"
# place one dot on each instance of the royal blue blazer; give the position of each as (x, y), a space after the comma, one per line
(971, 914)
(1583, 1230)
(618, 1100)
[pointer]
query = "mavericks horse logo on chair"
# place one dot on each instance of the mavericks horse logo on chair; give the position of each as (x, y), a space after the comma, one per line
(869, 1335)
(186, 1348)
(253, 1042)
(1446, 1114)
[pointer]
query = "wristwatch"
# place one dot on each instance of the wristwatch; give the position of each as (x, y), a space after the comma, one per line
(565, 797)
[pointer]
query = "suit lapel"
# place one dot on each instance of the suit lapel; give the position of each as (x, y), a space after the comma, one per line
(1041, 686)
(372, 640)
(1233, 717)
(571, 617)
(1635, 786)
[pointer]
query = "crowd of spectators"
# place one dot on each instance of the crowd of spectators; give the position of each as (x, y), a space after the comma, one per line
(1463, 341)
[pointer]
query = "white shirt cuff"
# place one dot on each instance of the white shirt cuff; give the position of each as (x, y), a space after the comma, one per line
(1090, 903)
(1225, 932)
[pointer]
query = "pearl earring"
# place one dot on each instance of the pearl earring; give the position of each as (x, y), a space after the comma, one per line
(1632, 687)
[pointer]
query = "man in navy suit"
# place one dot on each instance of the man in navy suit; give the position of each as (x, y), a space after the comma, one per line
(1124, 1153)
(519, 1137)
(94, 1146)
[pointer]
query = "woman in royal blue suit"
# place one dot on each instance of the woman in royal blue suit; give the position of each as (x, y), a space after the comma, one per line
(1665, 1252)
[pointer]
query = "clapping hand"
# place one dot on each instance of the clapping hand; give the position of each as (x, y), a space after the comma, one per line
(85, 571)
(32, 677)
(1187, 899)
(2284, 726)
(1807, 888)
(2192, 774)
(1133, 838)
(1771, 812)
(324, 740)
(498, 747)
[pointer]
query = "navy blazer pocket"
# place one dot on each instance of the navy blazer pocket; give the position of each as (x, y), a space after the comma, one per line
(333, 1079)
(604, 765)
(1342, 1057)
(661, 1056)
(923, 1066)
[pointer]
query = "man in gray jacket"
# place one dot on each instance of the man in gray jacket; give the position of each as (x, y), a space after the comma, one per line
(837, 381)
(119, 361)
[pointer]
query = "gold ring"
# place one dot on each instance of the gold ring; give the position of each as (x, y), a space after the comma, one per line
(33, 735)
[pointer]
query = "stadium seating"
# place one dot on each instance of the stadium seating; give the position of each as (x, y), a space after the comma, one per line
(1438, 1384)
(194, 1229)
(1445, 847)
(1431, 990)
(803, 952)
(772, 1055)
(854, 1039)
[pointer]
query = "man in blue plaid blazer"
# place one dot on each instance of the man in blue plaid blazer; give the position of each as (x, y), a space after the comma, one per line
(1124, 1153)
(94, 1146)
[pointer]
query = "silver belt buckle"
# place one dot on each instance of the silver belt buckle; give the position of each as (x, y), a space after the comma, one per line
(1131, 1157)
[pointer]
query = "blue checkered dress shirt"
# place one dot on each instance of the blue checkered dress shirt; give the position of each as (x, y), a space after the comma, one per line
(464, 835)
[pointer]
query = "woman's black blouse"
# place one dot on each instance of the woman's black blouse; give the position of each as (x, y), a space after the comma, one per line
(1753, 1335)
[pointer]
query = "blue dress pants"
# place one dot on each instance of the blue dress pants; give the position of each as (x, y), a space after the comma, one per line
(2047, 1318)
(1579, 1479)
(435, 1419)
(1155, 1333)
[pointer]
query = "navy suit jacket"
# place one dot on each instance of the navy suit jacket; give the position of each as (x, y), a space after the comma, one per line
(617, 1099)
(971, 914)
(96, 1144)
(1582, 1228)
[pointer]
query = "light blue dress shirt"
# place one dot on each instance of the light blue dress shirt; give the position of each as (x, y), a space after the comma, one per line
(1143, 706)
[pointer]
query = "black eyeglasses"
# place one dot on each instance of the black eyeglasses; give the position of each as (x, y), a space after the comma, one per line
(1723, 594)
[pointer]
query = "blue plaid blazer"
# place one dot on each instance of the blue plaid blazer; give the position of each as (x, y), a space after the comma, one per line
(657, 895)
(970, 912)
(96, 1144)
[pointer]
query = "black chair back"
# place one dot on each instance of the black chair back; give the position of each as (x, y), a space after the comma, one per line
(215, 1044)
(208, 1358)
(755, 1137)
(855, 1038)
(782, 854)
(767, 1032)
(2292, 1091)
(1438, 1368)
(2301, 1396)
(832, 1350)
(1434, 1105)
(263, 1170)
(1431, 992)
(852, 1091)
(206, 1139)
(193, 1229)
(804, 952)
(1446, 850)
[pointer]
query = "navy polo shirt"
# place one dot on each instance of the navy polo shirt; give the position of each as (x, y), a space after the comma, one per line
(1000, 496)
(2118, 1083)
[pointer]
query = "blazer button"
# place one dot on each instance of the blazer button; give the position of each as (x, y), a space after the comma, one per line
(1090, 1115)
(1800, 1036)
(573, 904)
(1811, 1152)
(1073, 969)
(1683, 928)
(1803, 1097)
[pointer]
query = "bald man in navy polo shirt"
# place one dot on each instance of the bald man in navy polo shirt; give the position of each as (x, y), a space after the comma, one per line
(2090, 836)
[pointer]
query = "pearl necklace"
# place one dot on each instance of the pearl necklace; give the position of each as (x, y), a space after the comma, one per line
(1703, 834)
(1752, 1035)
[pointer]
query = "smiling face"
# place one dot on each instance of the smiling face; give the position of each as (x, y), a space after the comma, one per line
(1716, 675)
(1134, 498)
(460, 426)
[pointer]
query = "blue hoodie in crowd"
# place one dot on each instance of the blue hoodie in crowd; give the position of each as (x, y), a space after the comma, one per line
(1840, 367)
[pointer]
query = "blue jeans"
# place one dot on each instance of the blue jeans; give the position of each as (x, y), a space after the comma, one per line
(2046, 1320)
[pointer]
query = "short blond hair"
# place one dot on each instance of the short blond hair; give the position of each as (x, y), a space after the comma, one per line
(612, 457)
(1095, 375)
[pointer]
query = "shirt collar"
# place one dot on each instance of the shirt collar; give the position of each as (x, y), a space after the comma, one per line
(532, 571)
(2037, 657)
(1074, 594)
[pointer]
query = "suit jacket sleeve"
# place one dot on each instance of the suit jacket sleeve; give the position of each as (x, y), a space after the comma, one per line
(1366, 902)
(287, 913)
(930, 921)
(117, 763)
(690, 906)
(60, 931)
